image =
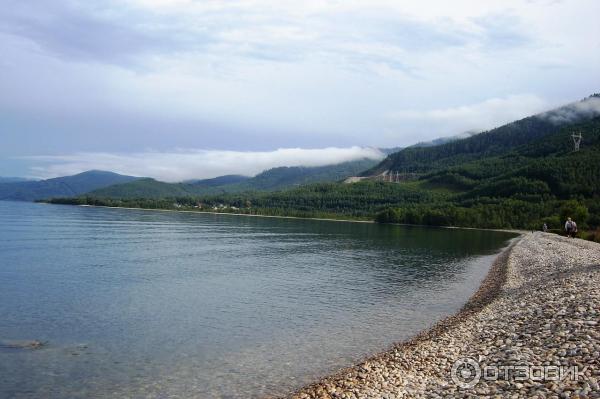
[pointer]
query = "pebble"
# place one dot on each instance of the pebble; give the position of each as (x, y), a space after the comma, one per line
(539, 305)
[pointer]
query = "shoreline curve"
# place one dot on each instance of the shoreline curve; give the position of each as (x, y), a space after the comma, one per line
(538, 306)
(487, 291)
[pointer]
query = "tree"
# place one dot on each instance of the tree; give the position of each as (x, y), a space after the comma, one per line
(574, 210)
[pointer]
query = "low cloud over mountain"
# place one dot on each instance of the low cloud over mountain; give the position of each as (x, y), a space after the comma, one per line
(196, 164)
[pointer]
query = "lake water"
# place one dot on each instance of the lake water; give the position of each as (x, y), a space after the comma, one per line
(162, 304)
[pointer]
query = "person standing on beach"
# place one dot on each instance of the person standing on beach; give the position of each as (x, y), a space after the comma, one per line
(570, 228)
(545, 228)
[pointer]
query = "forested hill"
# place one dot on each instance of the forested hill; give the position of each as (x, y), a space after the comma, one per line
(517, 176)
(269, 180)
(144, 188)
(542, 181)
(491, 143)
(548, 166)
(60, 186)
(287, 177)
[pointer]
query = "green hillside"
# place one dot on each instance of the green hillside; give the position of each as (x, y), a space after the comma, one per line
(541, 181)
(144, 188)
(488, 144)
(287, 177)
(517, 176)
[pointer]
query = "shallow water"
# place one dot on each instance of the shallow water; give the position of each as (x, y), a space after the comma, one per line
(163, 304)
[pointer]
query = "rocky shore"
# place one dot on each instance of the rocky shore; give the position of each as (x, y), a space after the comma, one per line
(531, 330)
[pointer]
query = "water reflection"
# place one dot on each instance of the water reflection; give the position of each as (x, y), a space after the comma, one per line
(166, 304)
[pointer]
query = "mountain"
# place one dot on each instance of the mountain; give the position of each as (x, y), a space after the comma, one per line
(548, 166)
(543, 181)
(269, 180)
(144, 188)
(424, 159)
(60, 186)
(520, 175)
(291, 176)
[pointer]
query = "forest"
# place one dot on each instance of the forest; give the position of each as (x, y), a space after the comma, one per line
(522, 186)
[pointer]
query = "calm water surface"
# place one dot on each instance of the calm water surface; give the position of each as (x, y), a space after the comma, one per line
(162, 304)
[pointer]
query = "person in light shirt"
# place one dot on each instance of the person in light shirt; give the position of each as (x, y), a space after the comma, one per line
(570, 228)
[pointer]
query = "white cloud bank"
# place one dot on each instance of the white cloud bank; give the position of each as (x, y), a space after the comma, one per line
(195, 164)
(115, 77)
(319, 73)
(589, 108)
(480, 116)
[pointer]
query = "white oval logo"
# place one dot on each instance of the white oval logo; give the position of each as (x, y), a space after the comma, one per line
(466, 372)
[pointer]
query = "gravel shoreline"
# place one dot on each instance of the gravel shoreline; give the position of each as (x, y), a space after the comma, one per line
(538, 309)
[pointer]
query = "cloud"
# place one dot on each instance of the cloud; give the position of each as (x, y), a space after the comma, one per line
(116, 33)
(588, 108)
(82, 32)
(118, 76)
(502, 31)
(481, 116)
(198, 164)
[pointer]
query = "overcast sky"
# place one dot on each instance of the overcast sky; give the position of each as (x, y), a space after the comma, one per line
(171, 88)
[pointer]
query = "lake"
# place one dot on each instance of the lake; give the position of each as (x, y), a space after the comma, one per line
(165, 304)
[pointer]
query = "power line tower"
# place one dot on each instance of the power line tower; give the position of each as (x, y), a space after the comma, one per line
(576, 140)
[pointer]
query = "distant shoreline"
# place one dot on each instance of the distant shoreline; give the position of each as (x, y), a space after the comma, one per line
(226, 213)
(294, 217)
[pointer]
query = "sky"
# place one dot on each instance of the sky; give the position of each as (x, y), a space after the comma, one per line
(183, 89)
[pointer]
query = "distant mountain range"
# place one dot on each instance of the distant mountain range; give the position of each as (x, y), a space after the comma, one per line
(520, 175)
(286, 177)
(61, 186)
(113, 185)
(441, 162)
(270, 180)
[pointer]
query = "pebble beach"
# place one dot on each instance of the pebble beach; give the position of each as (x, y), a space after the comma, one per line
(530, 331)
